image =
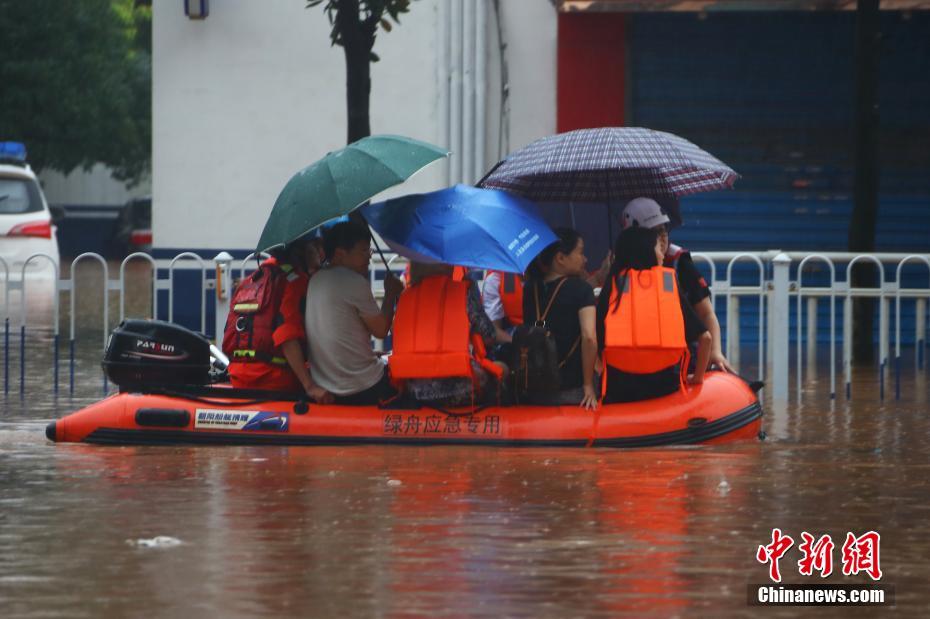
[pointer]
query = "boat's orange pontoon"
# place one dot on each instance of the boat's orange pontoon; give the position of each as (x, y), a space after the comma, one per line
(163, 372)
(723, 409)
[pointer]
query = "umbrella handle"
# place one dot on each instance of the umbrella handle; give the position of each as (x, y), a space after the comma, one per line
(357, 216)
(384, 260)
(490, 172)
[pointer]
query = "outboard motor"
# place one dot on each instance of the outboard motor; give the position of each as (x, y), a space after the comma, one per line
(152, 353)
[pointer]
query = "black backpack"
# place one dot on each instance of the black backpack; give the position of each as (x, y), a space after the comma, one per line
(535, 362)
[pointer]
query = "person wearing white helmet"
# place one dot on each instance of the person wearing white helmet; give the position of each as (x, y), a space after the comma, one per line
(646, 213)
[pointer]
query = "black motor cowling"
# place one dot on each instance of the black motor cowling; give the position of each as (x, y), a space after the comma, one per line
(144, 353)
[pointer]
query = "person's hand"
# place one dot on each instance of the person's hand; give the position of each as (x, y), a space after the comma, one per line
(589, 402)
(322, 396)
(599, 277)
(695, 380)
(721, 362)
(392, 286)
(605, 267)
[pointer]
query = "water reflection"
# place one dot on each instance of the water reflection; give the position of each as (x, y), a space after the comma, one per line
(449, 531)
(398, 531)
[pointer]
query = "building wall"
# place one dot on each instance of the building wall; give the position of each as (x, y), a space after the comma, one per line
(245, 98)
(93, 187)
(530, 28)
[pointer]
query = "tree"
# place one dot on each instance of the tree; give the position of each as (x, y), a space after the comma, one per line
(76, 82)
(355, 24)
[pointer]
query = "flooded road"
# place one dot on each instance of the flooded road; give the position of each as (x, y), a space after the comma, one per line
(90, 531)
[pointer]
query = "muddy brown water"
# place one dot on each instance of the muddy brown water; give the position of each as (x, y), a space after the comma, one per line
(92, 531)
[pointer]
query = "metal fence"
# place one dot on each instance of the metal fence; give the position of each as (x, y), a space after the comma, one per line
(769, 285)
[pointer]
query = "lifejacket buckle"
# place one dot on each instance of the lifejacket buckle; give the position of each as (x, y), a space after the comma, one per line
(541, 324)
(242, 323)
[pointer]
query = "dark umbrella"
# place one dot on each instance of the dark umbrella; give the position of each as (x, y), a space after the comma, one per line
(609, 164)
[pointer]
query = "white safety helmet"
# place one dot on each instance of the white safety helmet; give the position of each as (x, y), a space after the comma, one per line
(643, 212)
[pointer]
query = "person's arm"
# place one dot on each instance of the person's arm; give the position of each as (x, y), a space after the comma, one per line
(587, 319)
(597, 279)
(295, 360)
(703, 354)
(500, 334)
(478, 317)
(290, 333)
(603, 307)
(705, 312)
(493, 307)
(379, 325)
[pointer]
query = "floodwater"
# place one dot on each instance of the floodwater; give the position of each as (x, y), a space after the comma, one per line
(93, 531)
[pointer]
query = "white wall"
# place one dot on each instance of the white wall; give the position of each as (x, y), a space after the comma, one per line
(530, 31)
(245, 98)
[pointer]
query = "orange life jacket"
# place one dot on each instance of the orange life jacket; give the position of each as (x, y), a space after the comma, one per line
(511, 295)
(431, 332)
(646, 333)
(458, 274)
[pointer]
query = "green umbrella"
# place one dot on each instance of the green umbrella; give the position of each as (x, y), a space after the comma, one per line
(342, 181)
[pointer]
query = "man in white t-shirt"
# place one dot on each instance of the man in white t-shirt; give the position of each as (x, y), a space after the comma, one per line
(494, 306)
(342, 316)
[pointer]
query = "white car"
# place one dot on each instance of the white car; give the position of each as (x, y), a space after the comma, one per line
(26, 226)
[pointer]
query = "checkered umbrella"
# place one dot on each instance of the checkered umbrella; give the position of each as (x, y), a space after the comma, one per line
(609, 164)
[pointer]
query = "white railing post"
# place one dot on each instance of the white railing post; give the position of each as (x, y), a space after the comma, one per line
(770, 325)
(883, 331)
(223, 261)
(56, 285)
(811, 330)
(733, 330)
(919, 316)
(920, 333)
(847, 341)
(812, 301)
(780, 309)
(122, 283)
(203, 279)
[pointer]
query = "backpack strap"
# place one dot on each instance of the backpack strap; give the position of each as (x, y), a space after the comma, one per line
(683, 370)
(571, 351)
(542, 318)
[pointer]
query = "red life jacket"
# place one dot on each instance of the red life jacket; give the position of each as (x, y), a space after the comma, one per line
(646, 333)
(511, 295)
(253, 315)
(431, 332)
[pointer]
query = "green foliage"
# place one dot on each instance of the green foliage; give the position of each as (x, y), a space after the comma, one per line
(75, 83)
(368, 16)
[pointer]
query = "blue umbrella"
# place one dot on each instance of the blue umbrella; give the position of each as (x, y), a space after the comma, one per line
(461, 225)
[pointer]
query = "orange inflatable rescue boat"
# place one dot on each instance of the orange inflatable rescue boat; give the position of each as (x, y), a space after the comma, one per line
(162, 371)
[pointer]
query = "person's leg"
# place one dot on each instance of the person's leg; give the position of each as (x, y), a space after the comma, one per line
(567, 397)
(374, 395)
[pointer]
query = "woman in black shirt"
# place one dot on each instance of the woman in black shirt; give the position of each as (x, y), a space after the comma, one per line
(639, 248)
(561, 267)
